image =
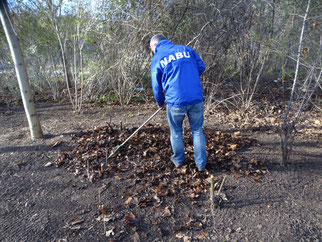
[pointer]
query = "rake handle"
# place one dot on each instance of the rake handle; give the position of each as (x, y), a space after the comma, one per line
(156, 112)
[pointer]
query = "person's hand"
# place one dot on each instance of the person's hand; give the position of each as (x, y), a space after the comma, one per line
(163, 106)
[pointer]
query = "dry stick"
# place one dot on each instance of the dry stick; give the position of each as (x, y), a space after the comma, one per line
(212, 188)
(257, 79)
(200, 32)
(212, 200)
(212, 197)
(106, 150)
(104, 226)
(87, 169)
(221, 185)
(106, 155)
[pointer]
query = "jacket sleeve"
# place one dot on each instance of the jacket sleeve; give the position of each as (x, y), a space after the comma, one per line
(156, 79)
(201, 66)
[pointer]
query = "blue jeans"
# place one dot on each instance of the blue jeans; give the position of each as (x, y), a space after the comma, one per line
(175, 118)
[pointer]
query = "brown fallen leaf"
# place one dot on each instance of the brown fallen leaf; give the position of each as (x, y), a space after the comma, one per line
(131, 219)
(233, 146)
(166, 212)
(162, 191)
(102, 209)
(58, 142)
(180, 235)
(230, 153)
(153, 149)
(237, 175)
(128, 201)
(237, 134)
(257, 178)
(202, 236)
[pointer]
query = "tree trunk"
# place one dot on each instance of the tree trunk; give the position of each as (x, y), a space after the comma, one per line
(21, 71)
(288, 126)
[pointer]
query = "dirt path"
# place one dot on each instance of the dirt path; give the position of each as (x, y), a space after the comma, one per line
(40, 202)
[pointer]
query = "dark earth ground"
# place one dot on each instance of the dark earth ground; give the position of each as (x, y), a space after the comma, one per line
(42, 202)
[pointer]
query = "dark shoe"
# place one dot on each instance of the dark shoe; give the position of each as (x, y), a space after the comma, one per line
(175, 163)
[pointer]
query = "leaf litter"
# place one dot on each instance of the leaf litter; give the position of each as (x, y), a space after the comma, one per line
(143, 165)
(147, 156)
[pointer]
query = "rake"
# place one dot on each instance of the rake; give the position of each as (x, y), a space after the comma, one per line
(134, 133)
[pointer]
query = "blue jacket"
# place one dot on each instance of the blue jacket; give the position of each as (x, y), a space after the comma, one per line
(175, 71)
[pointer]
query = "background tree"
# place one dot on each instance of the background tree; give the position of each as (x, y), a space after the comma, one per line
(21, 70)
(302, 89)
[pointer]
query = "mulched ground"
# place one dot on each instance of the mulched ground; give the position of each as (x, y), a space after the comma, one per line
(63, 188)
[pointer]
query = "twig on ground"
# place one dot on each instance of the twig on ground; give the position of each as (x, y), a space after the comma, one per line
(221, 185)
(215, 200)
(212, 188)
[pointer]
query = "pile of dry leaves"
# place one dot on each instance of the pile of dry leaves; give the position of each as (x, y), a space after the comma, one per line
(144, 161)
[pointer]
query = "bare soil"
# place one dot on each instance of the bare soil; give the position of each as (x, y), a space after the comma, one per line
(43, 202)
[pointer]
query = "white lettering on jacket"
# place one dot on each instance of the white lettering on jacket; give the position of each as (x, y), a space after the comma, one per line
(166, 60)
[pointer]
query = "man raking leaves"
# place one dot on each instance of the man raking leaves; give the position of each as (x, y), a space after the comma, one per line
(175, 71)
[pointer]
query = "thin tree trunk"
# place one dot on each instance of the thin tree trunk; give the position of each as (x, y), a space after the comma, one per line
(62, 49)
(67, 79)
(21, 71)
(288, 127)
